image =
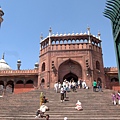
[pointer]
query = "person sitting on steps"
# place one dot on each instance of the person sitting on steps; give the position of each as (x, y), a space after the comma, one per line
(78, 106)
(40, 112)
(44, 99)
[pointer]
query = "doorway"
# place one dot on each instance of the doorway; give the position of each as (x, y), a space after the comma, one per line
(70, 76)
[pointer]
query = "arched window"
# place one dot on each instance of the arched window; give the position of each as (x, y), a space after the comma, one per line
(85, 41)
(77, 41)
(29, 82)
(43, 67)
(42, 81)
(97, 65)
(61, 41)
(53, 42)
(57, 42)
(19, 82)
(65, 41)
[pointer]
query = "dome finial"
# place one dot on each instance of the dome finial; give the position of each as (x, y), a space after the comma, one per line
(41, 36)
(88, 28)
(50, 31)
(99, 35)
(3, 55)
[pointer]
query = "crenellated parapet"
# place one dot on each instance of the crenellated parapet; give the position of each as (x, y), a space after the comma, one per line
(111, 69)
(70, 41)
(18, 72)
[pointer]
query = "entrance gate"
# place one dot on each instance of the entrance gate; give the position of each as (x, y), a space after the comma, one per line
(70, 76)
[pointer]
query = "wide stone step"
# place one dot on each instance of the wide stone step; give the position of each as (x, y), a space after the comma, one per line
(60, 117)
(96, 105)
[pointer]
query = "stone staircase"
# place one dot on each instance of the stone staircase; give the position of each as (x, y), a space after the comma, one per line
(96, 105)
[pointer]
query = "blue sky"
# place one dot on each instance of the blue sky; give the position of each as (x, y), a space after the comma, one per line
(25, 20)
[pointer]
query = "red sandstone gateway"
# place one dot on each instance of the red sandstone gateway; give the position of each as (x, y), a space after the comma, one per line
(62, 56)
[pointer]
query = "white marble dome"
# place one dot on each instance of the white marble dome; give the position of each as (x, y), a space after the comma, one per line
(4, 65)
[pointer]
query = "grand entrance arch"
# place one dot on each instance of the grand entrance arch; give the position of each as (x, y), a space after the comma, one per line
(69, 69)
(70, 76)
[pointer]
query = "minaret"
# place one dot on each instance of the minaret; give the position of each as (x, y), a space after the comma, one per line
(36, 65)
(99, 35)
(18, 64)
(50, 33)
(41, 38)
(99, 38)
(1, 14)
(89, 34)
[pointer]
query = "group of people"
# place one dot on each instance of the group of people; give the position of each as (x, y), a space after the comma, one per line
(97, 85)
(116, 98)
(82, 84)
(67, 86)
(70, 85)
(43, 108)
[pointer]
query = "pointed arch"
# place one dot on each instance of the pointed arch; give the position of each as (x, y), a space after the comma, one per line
(97, 65)
(69, 67)
(43, 66)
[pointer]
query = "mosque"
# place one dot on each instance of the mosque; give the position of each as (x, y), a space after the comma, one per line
(62, 56)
